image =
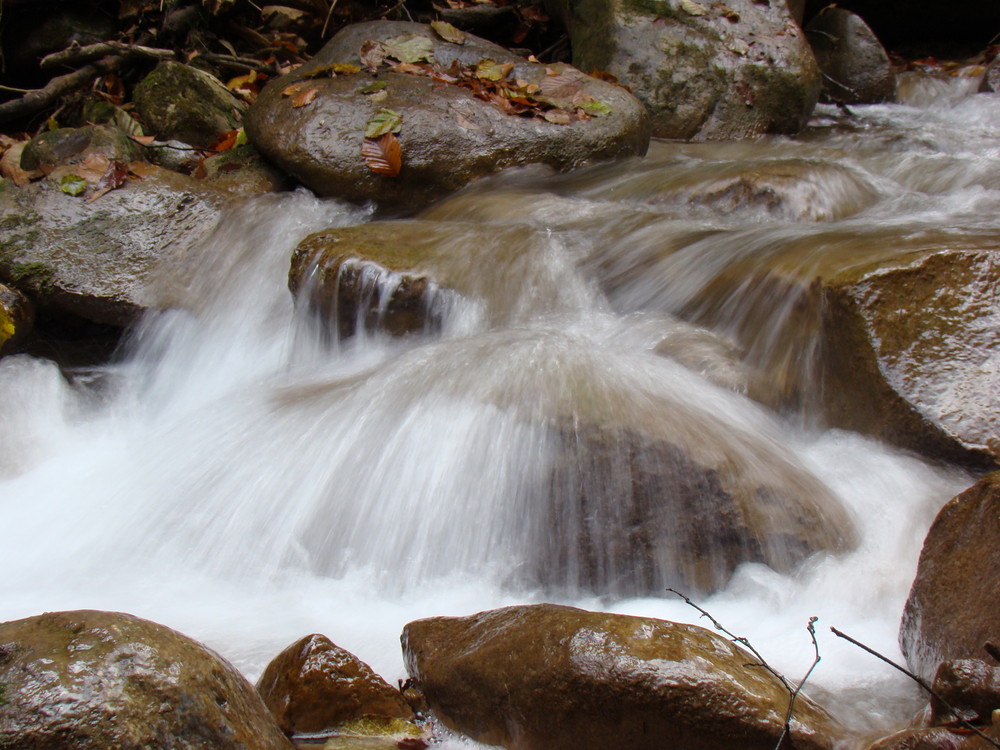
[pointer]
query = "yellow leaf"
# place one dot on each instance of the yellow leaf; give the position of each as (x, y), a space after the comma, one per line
(694, 9)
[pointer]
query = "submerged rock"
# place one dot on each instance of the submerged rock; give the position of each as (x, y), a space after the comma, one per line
(448, 136)
(314, 686)
(99, 680)
(91, 259)
(703, 70)
(178, 101)
(856, 68)
(546, 677)
(17, 315)
(950, 613)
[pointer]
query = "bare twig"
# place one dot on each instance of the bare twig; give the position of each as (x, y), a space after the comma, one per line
(38, 99)
(793, 692)
(326, 23)
(76, 54)
(920, 681)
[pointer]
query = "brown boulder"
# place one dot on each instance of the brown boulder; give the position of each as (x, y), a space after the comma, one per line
(448, 136)
(937, 738)
(315, 686)
(856, 68)
(547, 677)
(965, 688)
(951, 612)
(99, 680)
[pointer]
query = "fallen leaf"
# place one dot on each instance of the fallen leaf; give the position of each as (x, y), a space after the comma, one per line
(694, 9)
(595, 108)
(448, 32)
(558, 117)
(144, 140)
(115, 177)
(10, 165)
(93, 167)
(240, 82)
(409, 48)
(372, 54)
(372, 88)
(141, 169)
(333, 70)
(417, 69)
(73, 184)
(383, 122)
(383, 155)
(292, 89)
(306, 97)
(564, 90)
(227, 140)
(491, 70)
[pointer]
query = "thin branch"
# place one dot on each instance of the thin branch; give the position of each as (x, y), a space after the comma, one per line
(76, 54)
(786, 732)
(326, 23)
(920, 681)
(38, 99)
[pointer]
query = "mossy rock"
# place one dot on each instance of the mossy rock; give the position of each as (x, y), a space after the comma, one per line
(17, 316)
(180, 102)
(71, 145)
(704, 71)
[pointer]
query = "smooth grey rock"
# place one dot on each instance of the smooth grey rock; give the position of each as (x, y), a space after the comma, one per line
(856, 68)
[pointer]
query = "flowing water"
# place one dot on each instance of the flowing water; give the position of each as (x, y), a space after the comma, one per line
(239, 477)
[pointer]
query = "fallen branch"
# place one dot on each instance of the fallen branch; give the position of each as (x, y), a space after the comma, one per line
(76, 54)
(921, 682)
(36, 100)
(793, 692)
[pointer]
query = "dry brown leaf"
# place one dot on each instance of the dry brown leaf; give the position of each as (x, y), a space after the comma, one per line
(372, 54)
(292, 89)
(383, 155)
(142, 169)
(305, 97)
(558, 117)
(448, 32)
(144, 140)
(10, 165)
(93, 168)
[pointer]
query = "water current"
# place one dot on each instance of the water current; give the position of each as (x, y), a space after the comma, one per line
(239, 478)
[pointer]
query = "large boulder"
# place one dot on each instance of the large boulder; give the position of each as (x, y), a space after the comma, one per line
(640, 489)
(89, 679)
(855, 66)
(910, 351)
(547, 677)
(704, 70)
(178, 101)
(447, 134)
(91, 259)
(950, 613)
(314, 686)
(72, 145)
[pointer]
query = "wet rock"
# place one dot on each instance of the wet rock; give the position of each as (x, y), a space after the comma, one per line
(552, 677)
(448, 136)
(936, 738)
(243, 171)
(965, 688)
(911, 353)
(72, 145)
(314, 686)
(89, 679)
(949, 614)
(991, 78)
(704, 71)
(91, 259)
(17, 315)
(180, 102)
(855, 66)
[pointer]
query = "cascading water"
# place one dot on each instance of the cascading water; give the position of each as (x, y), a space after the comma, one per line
(239, 476)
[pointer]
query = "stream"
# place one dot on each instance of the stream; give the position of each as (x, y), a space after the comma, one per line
(237, 476)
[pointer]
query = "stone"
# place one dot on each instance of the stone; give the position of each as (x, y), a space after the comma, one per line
(72, 145)
(558, 678)
(96, 680)
(242, 171)
(935, 738)
(17, 316)
(448, 136)
(910, 352)
(855, 66)
(965, 688)
(314, 686)
(638, 492)
(91, 259)
(177, 101)
(991, 78)
(704, 71)
(950, 613)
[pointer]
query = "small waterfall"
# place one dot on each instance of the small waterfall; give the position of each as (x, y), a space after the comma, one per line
(591, 344)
